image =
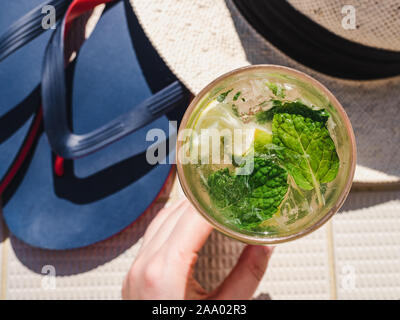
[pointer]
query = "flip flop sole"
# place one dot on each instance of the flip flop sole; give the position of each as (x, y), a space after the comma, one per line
(103, 193)
(68, 212)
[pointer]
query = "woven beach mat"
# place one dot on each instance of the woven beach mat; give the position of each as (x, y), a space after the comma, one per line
(355, 256)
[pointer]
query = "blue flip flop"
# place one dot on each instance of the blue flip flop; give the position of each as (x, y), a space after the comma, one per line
(21, 26)
(117, 71)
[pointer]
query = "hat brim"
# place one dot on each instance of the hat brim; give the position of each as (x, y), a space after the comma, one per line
(201, 41)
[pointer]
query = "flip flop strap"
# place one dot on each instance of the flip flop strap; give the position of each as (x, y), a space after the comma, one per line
(20, 33)
(28, 27)
(63, 141)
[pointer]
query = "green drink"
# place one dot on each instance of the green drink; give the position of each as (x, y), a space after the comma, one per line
(266, 155)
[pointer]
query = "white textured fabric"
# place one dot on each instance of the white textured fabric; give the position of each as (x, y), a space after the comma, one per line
(367, 248)
(197, 39)
(299, 269)
(200, 40)
(377, 22)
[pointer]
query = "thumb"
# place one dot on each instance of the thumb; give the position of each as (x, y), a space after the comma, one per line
(245, 277)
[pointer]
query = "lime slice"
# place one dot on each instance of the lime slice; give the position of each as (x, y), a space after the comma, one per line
(261, 140)
(220, 116)
(258, 141)
(217, 115)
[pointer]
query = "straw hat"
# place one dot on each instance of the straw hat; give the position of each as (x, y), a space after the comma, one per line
(200, 40)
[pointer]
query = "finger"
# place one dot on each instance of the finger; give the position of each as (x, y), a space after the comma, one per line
(245, 277)
(189, 234)
(160, 218)
(159, 237)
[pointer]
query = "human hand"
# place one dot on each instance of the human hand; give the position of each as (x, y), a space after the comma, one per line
(164, 266)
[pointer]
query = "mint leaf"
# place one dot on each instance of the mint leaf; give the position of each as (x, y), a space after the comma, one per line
(276, 89)
(252, 199)
(237, 95)
(223, 95)
(235, 110)
(225, 188)
(295, 107)
(262, 104)
(306, 150)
